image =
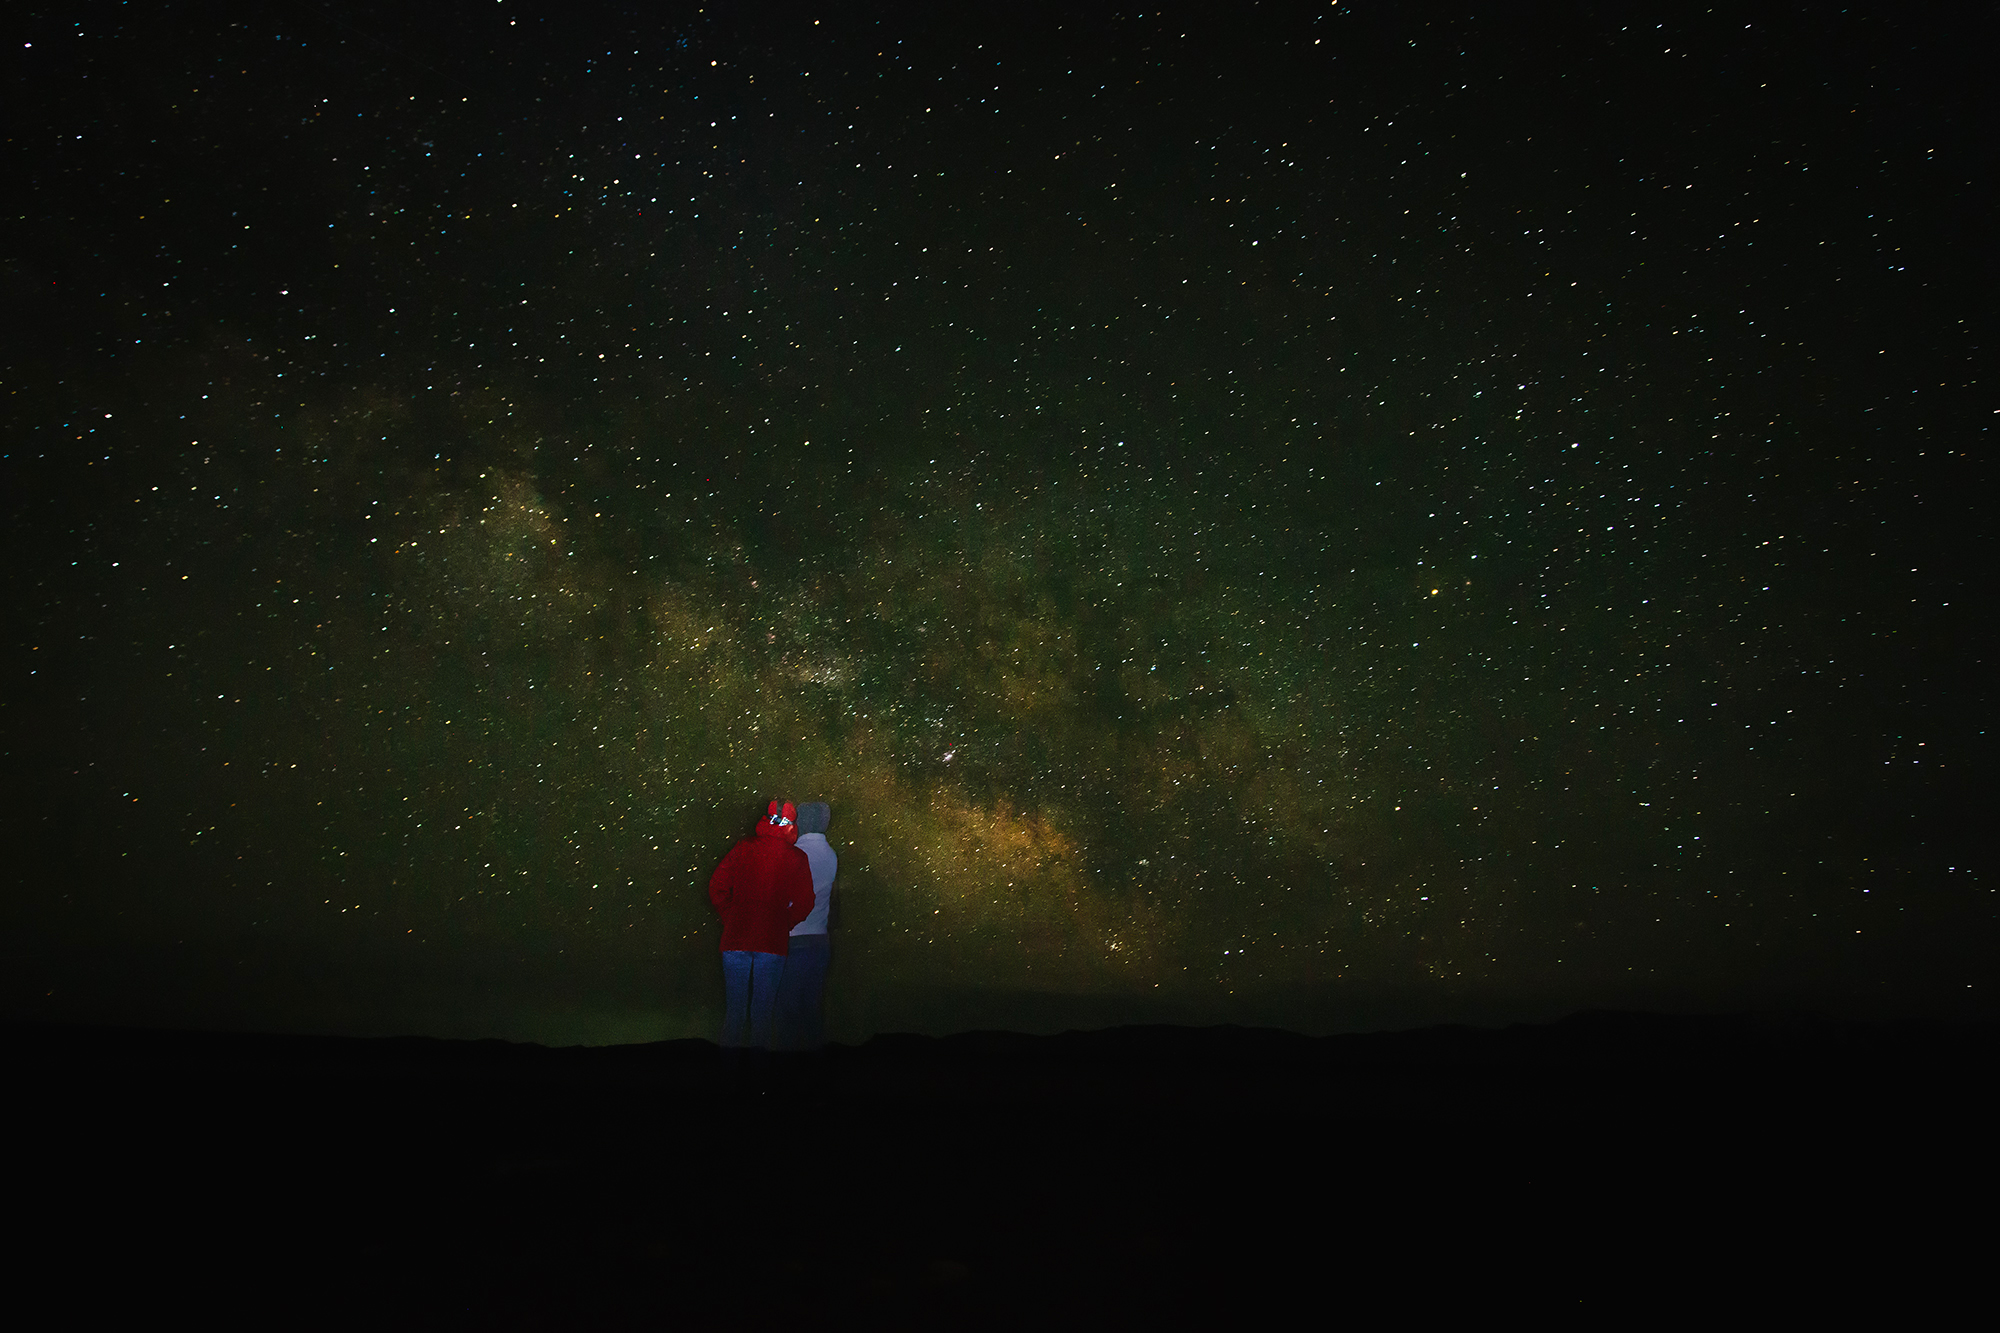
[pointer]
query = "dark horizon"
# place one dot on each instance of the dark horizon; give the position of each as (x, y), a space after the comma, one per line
(1331, 517)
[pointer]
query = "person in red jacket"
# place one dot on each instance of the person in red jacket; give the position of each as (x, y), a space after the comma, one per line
(762, 889)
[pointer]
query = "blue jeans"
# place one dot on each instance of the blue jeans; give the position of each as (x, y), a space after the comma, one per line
(750, 993)
(801, 1016)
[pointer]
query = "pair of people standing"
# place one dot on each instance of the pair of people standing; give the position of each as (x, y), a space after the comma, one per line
(774, 891)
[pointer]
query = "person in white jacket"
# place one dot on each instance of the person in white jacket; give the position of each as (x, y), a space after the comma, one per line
(801, 1016)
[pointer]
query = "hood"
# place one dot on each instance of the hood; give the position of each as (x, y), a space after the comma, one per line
(781, 822)
(814, 816)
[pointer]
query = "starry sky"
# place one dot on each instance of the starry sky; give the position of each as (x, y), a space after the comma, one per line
(1334, 515)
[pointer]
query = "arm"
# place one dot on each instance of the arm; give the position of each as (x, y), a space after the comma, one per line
(721, 884)
(799, 882)
(833, 894)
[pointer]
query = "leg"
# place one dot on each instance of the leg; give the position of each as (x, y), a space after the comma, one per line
(736, 969)
(805, 989)
(770, 971)
(816, 1003)
(783, 1021)
(787, 1023)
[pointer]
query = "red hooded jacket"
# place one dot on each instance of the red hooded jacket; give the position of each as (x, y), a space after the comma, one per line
(763, 887)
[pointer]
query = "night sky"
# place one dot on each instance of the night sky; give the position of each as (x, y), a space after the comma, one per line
(1326, 515)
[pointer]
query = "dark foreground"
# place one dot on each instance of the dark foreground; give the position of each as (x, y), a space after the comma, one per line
(1617, 1166)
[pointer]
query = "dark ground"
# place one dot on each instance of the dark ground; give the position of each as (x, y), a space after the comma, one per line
(1621, 1166)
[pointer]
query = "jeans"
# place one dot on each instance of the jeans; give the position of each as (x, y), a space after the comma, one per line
(801, 1017)
(750, 993)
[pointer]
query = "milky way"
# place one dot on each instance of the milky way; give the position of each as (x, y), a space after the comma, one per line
(1329, 517)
